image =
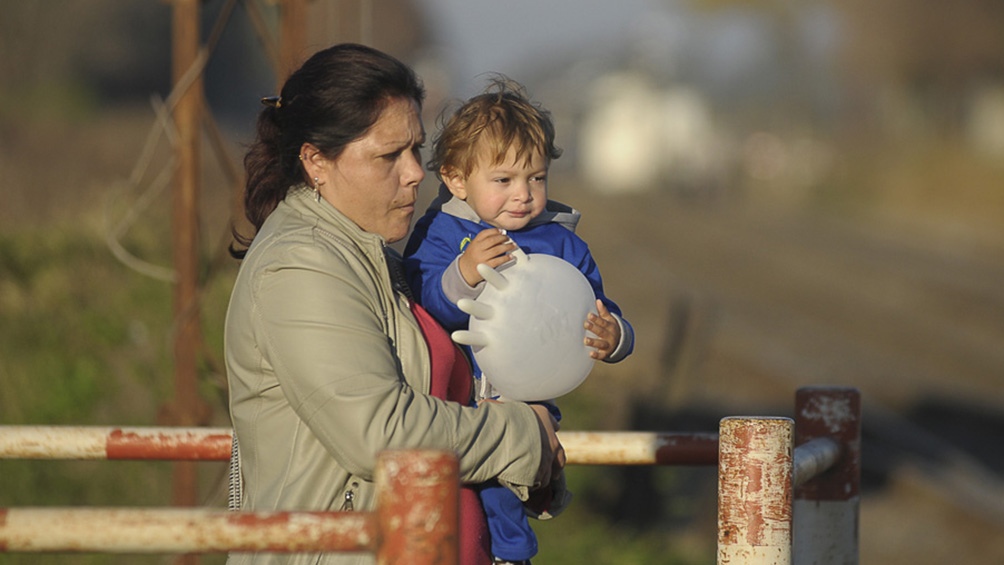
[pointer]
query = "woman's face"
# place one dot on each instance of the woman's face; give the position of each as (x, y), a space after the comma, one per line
(375, 179)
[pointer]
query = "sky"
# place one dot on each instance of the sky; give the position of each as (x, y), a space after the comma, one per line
(726, 50)
(477, 37)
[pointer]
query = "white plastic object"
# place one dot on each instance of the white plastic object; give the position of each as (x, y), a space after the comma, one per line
(526, 329)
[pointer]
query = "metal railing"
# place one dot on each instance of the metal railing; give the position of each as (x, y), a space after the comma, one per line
(788, 488)
(416, 520)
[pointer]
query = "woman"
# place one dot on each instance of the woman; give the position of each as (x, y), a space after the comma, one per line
(328, 360)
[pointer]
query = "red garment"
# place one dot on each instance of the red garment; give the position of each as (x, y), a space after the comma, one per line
(451, 380)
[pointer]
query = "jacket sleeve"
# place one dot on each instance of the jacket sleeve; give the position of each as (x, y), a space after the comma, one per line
(430, 264)
(321, 330)
(582, 258)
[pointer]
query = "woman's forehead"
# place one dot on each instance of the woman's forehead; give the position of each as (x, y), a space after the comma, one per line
(399, 124)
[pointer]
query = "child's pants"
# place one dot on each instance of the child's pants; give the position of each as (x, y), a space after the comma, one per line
(512, 537)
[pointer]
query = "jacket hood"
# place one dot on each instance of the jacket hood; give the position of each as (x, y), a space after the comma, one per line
(554, 212)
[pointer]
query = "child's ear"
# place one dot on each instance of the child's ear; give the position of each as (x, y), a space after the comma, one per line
(454, 181)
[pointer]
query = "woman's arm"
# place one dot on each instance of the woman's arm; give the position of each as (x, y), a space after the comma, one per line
(320, 327)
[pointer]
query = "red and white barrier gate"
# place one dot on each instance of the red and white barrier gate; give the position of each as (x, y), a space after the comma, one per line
(788, 489)
(415, 522)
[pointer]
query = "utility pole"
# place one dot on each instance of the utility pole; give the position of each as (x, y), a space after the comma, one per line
(292, 37)
(186, 409)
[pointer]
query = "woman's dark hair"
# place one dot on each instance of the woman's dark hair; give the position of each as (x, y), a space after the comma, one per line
(330, 101)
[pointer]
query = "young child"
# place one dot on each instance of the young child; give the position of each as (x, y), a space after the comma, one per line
(492, 156)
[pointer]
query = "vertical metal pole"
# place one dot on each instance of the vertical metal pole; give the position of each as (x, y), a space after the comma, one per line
(826, 509)
(417, 508)
(754, 491)
(185, 407)
(345, 17)
(292, 36)
(366, 22)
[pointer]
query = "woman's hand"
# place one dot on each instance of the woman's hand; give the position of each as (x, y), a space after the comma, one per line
(607, 330)
(552, 459)
(491, 247)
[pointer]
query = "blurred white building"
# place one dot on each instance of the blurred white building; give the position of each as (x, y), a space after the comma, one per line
(986, 121)
(636, 136)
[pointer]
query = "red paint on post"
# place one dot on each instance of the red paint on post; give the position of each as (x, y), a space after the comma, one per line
(834, 413)
(754, 490)
(172, 446)
(688, 449)
(418, 508)
(309, 531)
(3, 522)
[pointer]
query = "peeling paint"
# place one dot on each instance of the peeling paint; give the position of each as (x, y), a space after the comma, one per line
(833, 412)
(754, 489)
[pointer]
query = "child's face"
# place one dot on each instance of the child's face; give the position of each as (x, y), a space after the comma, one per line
(506, 195)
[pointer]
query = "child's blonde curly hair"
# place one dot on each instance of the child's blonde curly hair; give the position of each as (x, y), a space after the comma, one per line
(501, 118)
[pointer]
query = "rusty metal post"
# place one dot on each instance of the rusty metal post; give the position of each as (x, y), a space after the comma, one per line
(185, 214)
(186, 408)
(417, 508)
(826, 508)
(292, 37)
(754, 491)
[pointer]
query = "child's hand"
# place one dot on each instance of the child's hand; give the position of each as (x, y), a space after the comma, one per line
(607, 330)
(491, 247)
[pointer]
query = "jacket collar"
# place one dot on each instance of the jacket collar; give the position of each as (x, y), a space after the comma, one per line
(303, 200)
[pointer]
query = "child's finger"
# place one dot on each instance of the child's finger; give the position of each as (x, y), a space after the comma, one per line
(601, 308)
(599, 326)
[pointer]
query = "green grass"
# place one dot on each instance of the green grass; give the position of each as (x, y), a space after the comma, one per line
(84, 341)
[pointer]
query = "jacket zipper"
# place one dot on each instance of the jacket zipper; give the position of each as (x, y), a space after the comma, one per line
(350, 495)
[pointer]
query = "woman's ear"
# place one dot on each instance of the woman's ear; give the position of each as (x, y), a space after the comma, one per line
(454, 181)
(315, 165)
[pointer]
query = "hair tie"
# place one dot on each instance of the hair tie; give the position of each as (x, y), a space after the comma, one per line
(273, 101)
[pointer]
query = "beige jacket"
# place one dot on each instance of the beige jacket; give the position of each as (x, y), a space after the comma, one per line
(327, 367)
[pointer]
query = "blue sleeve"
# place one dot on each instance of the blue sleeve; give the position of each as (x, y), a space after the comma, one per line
(428, 253)
(576, 251)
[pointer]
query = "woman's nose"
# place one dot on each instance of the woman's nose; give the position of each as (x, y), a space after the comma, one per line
(413, 173)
